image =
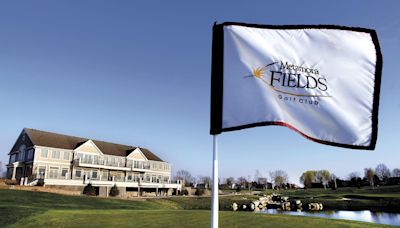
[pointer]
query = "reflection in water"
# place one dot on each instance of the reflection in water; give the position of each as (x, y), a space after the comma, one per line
(365, 216)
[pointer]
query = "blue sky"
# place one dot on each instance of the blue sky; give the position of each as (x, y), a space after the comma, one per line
(139, 74)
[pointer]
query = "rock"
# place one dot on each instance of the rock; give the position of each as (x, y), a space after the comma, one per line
(235, 207)
(252, 206)
(315, 206)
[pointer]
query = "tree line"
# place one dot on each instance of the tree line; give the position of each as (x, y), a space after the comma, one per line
(279, 179)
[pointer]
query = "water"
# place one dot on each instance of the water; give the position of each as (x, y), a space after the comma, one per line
(365, 216)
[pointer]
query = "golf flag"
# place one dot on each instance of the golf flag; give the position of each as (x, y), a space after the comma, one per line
(322, 81)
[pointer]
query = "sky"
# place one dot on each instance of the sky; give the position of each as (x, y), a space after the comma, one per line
(138, 73)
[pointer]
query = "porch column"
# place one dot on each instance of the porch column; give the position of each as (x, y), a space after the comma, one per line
(14, 172)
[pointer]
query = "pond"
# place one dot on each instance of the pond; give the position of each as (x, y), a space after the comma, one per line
(365, 216)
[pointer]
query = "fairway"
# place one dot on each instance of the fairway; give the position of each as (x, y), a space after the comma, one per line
(173, 218)
(37, 209)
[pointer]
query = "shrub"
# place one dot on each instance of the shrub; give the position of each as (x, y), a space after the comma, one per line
(184, 192)
(114, 191)
(40, 182)
(89, 190)
(10, 182)
(199, 192)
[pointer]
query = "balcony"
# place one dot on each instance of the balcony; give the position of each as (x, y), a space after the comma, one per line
(123, 164)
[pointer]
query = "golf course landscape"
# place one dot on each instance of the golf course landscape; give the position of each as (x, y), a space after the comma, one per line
(20, 208)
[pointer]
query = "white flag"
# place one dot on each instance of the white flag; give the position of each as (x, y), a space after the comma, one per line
(322, 81)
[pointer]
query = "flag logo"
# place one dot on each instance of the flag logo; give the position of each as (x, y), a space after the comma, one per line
(291, 76)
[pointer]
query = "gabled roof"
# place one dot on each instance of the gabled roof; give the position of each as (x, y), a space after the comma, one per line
(49, 139)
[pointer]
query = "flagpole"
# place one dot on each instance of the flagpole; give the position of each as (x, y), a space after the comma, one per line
(214, 202)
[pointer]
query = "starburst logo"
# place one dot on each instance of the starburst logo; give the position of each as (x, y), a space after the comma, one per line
(258, 72)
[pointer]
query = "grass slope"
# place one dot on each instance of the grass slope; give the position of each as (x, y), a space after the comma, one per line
(37, 209)
(379, 199)
(174, 218)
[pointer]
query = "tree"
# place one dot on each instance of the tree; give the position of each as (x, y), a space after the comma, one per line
(308, 177)
(333, 178)
(382, 171)
(279, 177)
(89, 190)
(242, 181)
(355, 179)
(257, 175)
(369, 175)
(114, 191)
(324, 176)
(185, 176)
(230, 181)
(396, 172)
(354, 175)
(206, 180)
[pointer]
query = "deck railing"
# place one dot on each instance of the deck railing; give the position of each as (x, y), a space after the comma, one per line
(131, 164)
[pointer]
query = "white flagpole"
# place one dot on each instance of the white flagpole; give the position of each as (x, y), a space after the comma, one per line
(214, 202)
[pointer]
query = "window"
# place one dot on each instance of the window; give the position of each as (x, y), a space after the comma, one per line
(21, 156)
(66, 155)
(94, 174)
(105, 175)
(64, 172)
(166, 178)
(30, 154)
(79, 156)
(78, 173)
(55, 154)
(44, 153)
(42, 171)
(53, 172)
(12, 158)
(95, 159)
(87, 159)
(136, 164)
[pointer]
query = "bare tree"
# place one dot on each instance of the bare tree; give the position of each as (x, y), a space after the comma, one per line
(242, 181)
(354, 175)
(324, 176)
(333, 178)
(185, 176)
(230, 181)
(308, 177)
(396, 172)
(369, 175)
(205, 180)
(279, 177)
(382, 171)
(257, 175)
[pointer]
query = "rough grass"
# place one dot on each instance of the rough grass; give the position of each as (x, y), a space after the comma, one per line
(174, 218)
(38, 209)
(378, 199)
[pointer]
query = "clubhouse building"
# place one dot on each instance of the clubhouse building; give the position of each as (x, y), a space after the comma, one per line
(70, 162)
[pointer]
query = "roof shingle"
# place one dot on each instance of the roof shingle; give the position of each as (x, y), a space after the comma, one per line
(49, 139)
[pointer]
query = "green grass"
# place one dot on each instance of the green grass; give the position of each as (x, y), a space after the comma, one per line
(173, 218)
(379, 199)
(38, 209)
